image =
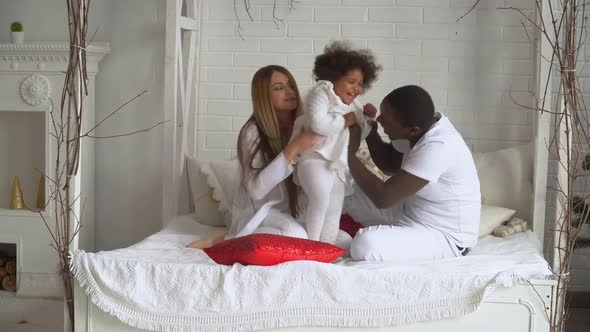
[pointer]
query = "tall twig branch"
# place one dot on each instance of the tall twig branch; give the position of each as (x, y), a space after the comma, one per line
(564, 31)
(469, 11)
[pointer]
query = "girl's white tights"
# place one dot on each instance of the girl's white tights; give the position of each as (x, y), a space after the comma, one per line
(325, 195)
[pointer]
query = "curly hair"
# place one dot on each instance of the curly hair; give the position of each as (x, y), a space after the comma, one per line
(339, 58)
(413, 105)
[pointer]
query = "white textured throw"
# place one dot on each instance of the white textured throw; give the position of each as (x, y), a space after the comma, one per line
(159, 285)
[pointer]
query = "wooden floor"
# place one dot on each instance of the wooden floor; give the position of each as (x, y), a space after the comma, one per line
(580, 271)
(578, 298)
(579, 320)
(30, 315)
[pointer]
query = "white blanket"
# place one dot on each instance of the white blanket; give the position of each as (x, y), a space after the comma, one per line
(158, 284)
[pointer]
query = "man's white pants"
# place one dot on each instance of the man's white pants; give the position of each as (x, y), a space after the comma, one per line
(391, 236)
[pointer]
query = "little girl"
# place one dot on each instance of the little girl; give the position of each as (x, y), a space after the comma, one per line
(331, 107)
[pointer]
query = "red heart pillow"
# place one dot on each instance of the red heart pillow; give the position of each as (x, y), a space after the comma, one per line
(270, 249)
(349, 225)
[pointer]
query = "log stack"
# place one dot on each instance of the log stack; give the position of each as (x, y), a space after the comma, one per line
(8, 274)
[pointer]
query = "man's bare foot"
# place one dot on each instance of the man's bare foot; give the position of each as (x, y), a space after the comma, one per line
(217, 236)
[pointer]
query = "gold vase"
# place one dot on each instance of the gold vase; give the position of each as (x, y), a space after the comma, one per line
(41, 193)
(16, 195)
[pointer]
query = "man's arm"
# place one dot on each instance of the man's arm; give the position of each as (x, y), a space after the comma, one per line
(382, 194)
(384, 155)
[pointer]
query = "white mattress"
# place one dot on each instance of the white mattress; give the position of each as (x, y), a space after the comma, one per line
(158, 284)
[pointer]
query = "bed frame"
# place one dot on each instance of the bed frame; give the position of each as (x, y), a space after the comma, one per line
(525, 307)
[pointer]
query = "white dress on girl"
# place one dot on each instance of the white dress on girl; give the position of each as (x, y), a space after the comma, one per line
(323, 171)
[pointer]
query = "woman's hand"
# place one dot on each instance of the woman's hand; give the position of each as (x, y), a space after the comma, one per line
(349, 119)
(301, 143)
(307, 139)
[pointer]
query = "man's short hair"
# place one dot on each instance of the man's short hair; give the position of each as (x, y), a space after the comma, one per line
(413, 104)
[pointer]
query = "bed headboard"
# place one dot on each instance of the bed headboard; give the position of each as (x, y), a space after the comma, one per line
(181, 72)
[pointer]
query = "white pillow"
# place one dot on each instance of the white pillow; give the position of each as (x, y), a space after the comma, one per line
(223, 177)
(206, 210)
(506, 178)
(492, 217)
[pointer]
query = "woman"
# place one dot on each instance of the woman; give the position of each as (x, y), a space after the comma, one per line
(267, 199)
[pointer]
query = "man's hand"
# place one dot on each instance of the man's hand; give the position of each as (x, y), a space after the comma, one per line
(349, 119)
(370, 110)
(354, 140)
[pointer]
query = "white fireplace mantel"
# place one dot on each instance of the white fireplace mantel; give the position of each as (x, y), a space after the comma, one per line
(47, 57)
(31, 75)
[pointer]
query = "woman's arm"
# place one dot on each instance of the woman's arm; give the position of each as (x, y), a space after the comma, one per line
(259, 184)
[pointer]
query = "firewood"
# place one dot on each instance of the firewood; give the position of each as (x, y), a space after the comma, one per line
(11, 267)
(3, 272)
(9, 283)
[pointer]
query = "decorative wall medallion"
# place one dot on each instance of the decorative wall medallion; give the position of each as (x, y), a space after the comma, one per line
(35, 89)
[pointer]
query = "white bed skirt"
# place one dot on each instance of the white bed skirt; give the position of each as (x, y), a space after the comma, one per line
(519, 309)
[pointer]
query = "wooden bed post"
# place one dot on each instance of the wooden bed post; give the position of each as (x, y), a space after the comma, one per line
(180, 92)
(543, 132)
(541, 128)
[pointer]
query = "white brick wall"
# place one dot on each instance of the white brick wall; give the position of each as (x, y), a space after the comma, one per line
(468, 67)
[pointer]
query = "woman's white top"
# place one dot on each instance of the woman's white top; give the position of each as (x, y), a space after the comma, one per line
(323, 114)
(259, 192)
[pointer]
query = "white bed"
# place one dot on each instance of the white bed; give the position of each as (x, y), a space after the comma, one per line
(524, 306)
(501, 277)
(132, 285)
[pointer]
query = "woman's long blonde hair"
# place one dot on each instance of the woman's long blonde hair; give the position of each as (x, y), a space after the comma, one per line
(270, 139)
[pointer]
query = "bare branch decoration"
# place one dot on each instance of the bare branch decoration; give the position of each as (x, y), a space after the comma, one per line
(275, 18)
(62, 220)
(565, 33)
(469, 11)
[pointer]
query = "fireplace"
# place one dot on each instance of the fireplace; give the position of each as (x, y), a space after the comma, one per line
(8, 267)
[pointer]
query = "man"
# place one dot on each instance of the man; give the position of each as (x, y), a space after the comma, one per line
(430, 207)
